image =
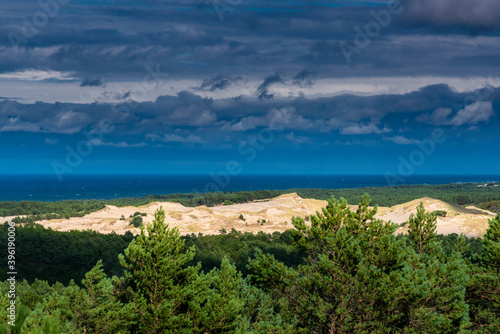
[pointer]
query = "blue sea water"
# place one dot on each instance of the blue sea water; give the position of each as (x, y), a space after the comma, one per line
(49, 188)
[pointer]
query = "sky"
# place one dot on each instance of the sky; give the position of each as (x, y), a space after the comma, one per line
(250, 87)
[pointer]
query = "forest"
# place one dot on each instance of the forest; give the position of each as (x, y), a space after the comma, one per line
(344, 272)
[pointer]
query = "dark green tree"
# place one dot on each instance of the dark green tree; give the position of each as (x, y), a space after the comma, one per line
(359, 277)
(136, 221)
(422, 229)
(347, 282)
(483, 292)
(168, 295)
(96, 307)
(434, 282)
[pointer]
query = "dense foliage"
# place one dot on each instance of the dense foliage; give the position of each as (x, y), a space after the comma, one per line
(61, 256)
(68, 208)
(491, 206)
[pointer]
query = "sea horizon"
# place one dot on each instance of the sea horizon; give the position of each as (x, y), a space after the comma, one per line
(47, 187)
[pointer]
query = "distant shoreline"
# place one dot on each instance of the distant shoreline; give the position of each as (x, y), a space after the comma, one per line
(113, 187)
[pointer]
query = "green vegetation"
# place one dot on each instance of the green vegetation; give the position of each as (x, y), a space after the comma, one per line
(345, 272)
(136, 221)
(493, 206)
(62, 209)
(61, 256)
(439, 213)
(137, 213)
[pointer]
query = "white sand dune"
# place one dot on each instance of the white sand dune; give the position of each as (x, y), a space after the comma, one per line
(277, 213)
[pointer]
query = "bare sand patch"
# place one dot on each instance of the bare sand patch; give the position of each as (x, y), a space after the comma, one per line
(276, 212)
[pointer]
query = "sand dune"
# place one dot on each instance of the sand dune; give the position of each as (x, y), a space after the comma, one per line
(276, 212)
(471, 221)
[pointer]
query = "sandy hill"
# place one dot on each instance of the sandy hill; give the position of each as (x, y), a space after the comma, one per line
(276, 212)
(471, 221)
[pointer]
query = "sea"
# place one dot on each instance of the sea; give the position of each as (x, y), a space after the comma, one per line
(50, 188)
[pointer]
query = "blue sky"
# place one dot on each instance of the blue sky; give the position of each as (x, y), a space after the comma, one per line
(276, 87)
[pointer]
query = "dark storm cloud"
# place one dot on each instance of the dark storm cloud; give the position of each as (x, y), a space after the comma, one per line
(304, 78)
(218, 82)
(189, 41)
(473, 14)
(263, 89)
(92, 82)
(201, 117)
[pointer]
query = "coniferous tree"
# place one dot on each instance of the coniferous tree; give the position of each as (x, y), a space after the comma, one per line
(96, 308)
(158, 281)
(483, 292)
(434, 283)
(168, 295)
(491, 257)
(346, 284)
(422, 229)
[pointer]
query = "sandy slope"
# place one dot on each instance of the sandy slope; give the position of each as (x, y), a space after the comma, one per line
(471, 221)
(277, 212)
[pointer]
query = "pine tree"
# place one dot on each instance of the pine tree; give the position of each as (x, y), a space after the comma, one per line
(158, 280)
(359, 277)
(491, 255)
(96, 308)
(346, 284)
(483, 292)
(169, 295)
(434, 283)
(422, 229)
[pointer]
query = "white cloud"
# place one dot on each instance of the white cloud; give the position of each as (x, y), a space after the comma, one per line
(402, 140)
(274, 119)
(246, 123)
(37, 75)
(14, 117)
(438, 117)
(51, 141)
(473, 114)
(173, 138)
(297, 140)
(363, 129)
(98, 142)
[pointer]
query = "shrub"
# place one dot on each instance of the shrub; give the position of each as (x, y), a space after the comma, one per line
(439, 213)
(136, 221)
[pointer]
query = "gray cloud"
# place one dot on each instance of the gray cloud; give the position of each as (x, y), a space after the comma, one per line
(478, 14)
(263, 89)
(219, 82)
(478, 112)
(304, 78)
(122, 39)
(92, 82)
(197, 118)
(41, 118)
